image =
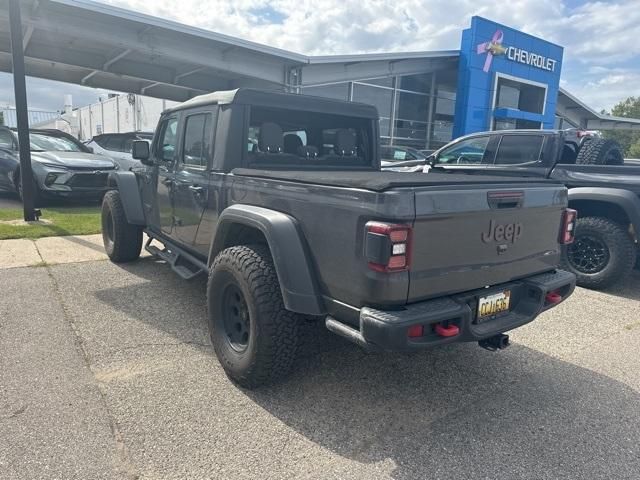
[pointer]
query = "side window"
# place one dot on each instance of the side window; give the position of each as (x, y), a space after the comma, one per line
(517, 149)
(197, 132)
(114, 143)
(165, 147)
(6, 139)
(467, 152)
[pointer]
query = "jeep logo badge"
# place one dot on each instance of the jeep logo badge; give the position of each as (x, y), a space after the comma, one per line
(510, 232)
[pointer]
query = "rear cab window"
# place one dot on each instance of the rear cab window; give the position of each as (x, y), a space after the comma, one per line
(307, 139)
(519, 149)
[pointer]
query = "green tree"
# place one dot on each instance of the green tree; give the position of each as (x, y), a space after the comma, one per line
(628, 139)
(1, 118)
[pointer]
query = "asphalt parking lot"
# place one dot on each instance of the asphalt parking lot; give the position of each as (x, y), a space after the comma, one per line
(107, 372)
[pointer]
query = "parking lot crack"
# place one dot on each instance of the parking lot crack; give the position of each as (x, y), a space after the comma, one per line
(124, 463)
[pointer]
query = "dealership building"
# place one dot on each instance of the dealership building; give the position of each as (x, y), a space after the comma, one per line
(499, 77)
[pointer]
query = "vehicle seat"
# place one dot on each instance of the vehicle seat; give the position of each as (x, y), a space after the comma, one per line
(270, 138)
(345, 143)
(307, 152)
(291, 143)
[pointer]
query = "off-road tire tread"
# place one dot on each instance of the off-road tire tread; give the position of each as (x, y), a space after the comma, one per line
(594, 151)
(127, 241)
(278, 330)
(622, 253)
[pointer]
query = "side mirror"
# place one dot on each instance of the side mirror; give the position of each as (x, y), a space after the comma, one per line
(140, 151)
(432, 160)
(90, 149)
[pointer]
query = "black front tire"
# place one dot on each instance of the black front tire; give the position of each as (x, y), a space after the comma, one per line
(255, 338)
(122, 240)
(600, 151)
(602, 254)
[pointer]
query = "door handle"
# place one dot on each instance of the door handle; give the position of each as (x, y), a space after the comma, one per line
(196, 189)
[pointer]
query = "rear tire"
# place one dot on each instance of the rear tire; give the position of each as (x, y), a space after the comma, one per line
(255, 338)
(122, 240)
(602, 254)
(600, 151)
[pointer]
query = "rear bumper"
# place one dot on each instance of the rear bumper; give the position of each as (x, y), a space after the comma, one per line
(388, 330)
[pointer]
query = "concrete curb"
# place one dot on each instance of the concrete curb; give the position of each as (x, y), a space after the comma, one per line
(51, 250)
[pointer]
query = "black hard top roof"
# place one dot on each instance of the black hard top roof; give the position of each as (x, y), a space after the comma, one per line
(266, 98)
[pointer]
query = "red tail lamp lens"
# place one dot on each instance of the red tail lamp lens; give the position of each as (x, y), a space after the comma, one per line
(388, 246)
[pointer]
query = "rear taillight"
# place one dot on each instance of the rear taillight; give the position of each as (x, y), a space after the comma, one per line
(388, 246)
(568, 230)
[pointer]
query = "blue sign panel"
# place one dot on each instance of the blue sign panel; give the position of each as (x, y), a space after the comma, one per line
(505, 77)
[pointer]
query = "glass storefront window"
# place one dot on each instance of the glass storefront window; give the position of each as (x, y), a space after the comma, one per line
(513, 124)
(410, 106)
(338, 91)
(385, 125)
(520, 95)
(383, 82)
(376, 96)
(416, 83)
(410, 129)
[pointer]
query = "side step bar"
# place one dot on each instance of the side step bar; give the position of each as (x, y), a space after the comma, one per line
(181, 262)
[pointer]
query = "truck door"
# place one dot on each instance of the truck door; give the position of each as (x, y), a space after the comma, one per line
(165, 153)
(191, 187)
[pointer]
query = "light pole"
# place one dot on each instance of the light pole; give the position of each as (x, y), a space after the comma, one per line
(22, 114)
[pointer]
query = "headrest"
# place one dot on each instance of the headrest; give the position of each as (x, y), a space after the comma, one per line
(291, 143)
(307, 152)
(270, 138)
(345, 144)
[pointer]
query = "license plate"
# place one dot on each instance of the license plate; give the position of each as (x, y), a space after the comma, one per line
(494, 304)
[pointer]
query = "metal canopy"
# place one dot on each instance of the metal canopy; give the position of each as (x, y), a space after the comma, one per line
(101, 46)
(584, 116)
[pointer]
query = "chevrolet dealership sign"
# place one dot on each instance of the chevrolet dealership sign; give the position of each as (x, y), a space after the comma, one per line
(515, 54)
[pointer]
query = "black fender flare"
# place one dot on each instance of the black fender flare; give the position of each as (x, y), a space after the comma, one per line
(290, 255)
(127, 185)
(625, 199)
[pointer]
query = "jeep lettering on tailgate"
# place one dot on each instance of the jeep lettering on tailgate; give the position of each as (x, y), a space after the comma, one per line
(502, 233)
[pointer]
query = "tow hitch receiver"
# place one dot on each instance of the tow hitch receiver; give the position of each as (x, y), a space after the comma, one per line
(497, 342)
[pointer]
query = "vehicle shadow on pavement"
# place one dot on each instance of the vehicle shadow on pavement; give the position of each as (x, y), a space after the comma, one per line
(453, 412)
(461, 412)
(629, 288)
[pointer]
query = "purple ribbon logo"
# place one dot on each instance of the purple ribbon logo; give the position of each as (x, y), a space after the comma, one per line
(494, 47)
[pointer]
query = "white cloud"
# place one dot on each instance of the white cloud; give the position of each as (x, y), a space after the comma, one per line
(599, 37)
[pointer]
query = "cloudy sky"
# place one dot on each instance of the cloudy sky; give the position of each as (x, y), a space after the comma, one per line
(601, 39)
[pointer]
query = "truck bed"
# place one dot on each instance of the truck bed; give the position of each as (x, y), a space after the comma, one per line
(381, 181)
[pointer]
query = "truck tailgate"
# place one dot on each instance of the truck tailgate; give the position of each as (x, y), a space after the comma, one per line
(470, 237)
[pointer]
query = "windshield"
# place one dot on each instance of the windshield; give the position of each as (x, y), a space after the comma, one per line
(41, 142)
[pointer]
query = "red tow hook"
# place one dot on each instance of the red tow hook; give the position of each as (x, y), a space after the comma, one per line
(448, 331)
(553, 298)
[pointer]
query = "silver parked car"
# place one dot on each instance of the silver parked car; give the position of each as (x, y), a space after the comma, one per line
(62, 166)
(118, 146)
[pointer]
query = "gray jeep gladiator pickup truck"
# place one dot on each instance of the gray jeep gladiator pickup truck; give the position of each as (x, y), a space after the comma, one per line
(278, 198)
(604, 190)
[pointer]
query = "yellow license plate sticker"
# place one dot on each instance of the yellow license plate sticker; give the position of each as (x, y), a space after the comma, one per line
(494, 304)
